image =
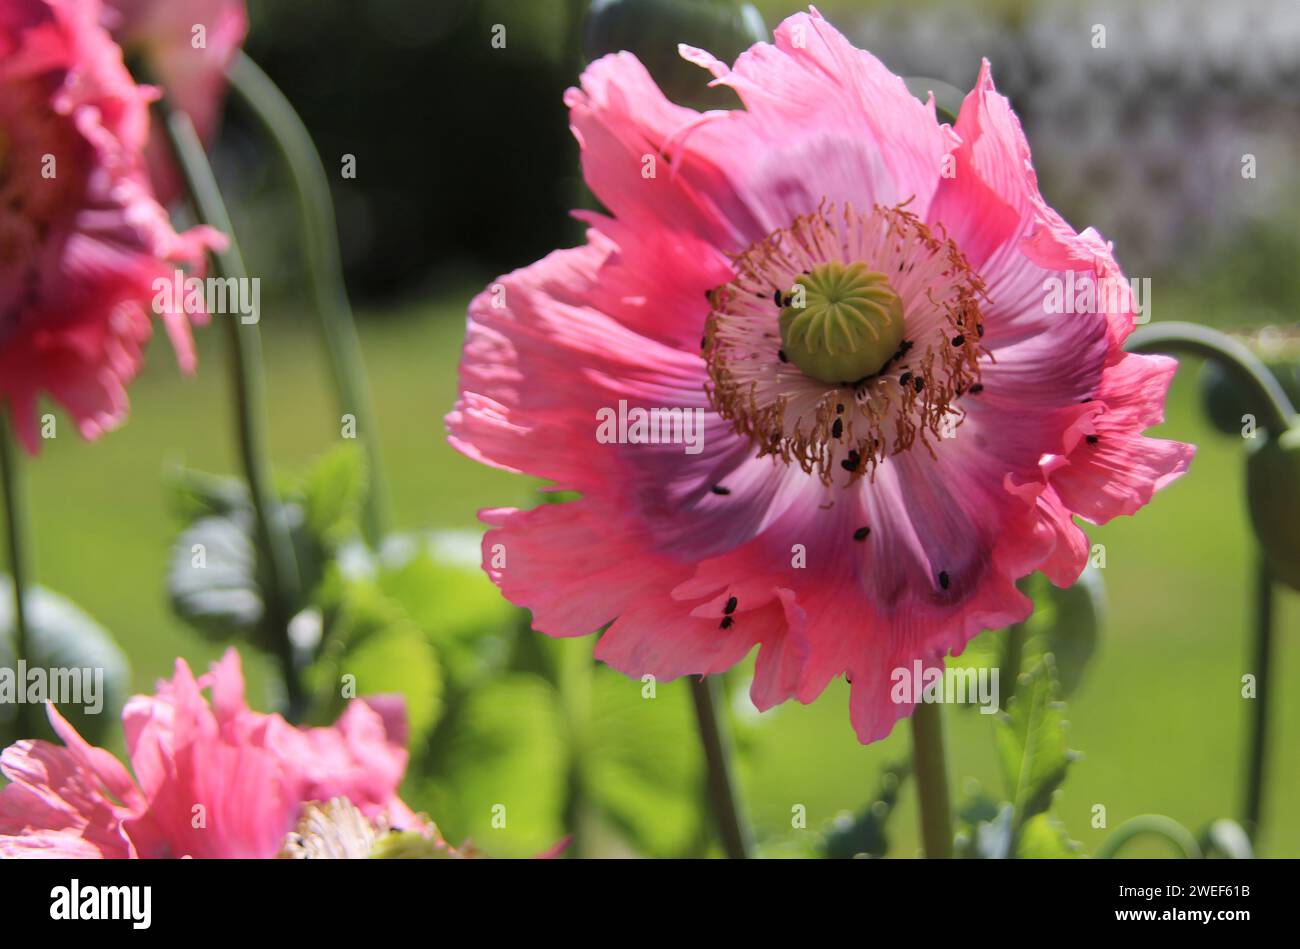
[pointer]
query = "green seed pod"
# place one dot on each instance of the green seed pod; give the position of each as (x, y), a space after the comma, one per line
(1225, 403)
(651, 29)
(841, 322)
(1273, 493)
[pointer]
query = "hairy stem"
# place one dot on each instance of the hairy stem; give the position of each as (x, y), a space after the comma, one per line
(931, 769)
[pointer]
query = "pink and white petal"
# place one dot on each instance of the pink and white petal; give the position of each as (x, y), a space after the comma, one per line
(536, 371)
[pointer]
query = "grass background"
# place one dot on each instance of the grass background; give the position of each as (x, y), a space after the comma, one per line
(1159, 717)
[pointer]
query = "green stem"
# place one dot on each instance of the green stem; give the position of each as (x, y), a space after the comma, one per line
(1156, 824)
(1014, 656)
(320, 239)
(250, 401)
(1233, 357)
(1259, 714)
(931, 779)
(710, 709)
(575, 681)
(19, 555)
(1264, 391)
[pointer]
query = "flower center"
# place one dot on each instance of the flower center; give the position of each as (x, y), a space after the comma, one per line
(333, 830)
(841, 322)
(844, 338)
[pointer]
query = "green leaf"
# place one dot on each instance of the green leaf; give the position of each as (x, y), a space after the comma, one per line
(1066, 623)
(62, 637)
(1032, 743)
(212, 578)
(217, 575)
(399, 659)
(196, 494)
(379, 649)
(333, 494)
(864, 835)
(1044, 837)
(642, 767)
(984, 826)
(502, 759)
(437, 580)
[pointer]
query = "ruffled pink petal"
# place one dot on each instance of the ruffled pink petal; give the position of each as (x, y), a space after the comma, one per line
(1115, 469)
(56, 806)
(823, 120)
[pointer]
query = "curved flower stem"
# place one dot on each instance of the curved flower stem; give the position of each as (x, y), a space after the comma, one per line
(931, 779)
(1259, 720)
(737, 840)
(1238, 362)
(1244, 367)
(15, 504)
(250, 401)
(320, 239)
(1156, 824)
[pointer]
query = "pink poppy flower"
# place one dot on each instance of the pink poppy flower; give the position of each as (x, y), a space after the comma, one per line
(186, 47)
(82, 237)
(212, 779)
(851, 300)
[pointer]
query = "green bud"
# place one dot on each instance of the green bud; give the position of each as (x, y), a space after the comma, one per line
(1273, 493)
(651, 29)
(842, 323)
(1225, 403)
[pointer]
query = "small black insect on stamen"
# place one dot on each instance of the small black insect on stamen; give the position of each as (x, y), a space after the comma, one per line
(780, 354)
(851, 462)
(861, 533)
(1092, 439)
(977, 388)
(776, 297)
(943, 579)
(726, 622)
(719, 489)
(838, 428)
(904, 347)
(730, 608)
(959, 340)
(787, 301)
(918, 383)
(905, 378)
(839, 408)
